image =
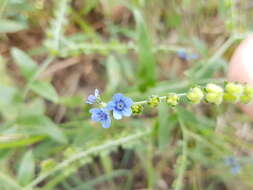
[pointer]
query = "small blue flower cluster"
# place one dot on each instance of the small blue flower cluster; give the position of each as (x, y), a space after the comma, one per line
(232, 162)
(119, 105)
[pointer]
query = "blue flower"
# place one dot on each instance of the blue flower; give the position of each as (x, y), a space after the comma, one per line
(182, 54)
(101, 115)
(233, 164)
(235, 169)
(120, 105)
(93, 98)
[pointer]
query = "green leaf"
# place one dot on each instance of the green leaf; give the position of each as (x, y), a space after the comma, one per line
(147, 62)
(27, 65)
(26, 169)
(45, 90)
(165, 122)
(41, 125)
(113, 73)
(9, 26)
(72, 101)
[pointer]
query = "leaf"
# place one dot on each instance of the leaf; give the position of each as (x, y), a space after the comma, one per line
(72, 101)
(26, 169)
(147, 62)
(165, 122)
(113, 73)
(27, 65)
(45, 90)
(41, 125)
(10, 26)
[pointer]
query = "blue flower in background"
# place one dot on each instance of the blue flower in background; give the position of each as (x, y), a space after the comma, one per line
(93, 98)
(120, 105)
(101, 115)
(233, 164)
(182, 54)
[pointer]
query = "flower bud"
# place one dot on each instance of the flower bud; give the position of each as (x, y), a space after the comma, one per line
(195, 95)
(229, 97)
(233, 92)
(153, 101)
(247, 94)
(47, 165)
(248, 90)
(137, 109)
(172, 99)
(215, 98)
(234, 88)
(213, 88)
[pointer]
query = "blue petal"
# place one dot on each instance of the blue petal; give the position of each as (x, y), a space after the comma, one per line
(94, 110)
(106, 123)
(230, 161)
(91, 99)
(127, 112)
(182, 54)
(110, 106)
(235, 170)
(94, 115)
(96, 93)
(128, 102)
(118, 96)
(117, 115)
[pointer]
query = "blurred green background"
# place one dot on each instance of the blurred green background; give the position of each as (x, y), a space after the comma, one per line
(54, 53)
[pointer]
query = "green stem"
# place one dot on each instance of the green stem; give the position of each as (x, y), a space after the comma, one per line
(160, 97)
(179, 180)
(84, 154)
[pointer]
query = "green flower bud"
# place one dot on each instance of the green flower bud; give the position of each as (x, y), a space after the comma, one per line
(215, 98)
(172, 99)
(247, 94)
(233, 88)
(137, 109)
(233, 92)
(153, 101)
(229, 97)
(245, 99)
(195, 95)
(248, 90)
(213, 88)
(214, 94)
(70, 151)
(47, 165)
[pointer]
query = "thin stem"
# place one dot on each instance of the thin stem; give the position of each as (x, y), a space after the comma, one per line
(160, 97)
(84, 154)
(4, 4)
(179, 180)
